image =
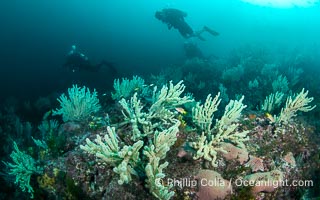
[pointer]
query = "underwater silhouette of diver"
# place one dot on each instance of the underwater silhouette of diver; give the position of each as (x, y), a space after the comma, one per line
(77, 61)
(192, 50)
(174, 18)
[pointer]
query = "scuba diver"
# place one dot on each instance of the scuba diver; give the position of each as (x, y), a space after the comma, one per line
(77, 61)
(192, 50)
(174, 18)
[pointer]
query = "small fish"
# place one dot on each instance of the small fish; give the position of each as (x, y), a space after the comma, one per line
(105, 94)
(270, 117)
(181, 110)
(252, 116)
(148, 85)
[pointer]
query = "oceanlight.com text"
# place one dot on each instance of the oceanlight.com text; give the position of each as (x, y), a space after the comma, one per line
(273, 183)
(188, 182)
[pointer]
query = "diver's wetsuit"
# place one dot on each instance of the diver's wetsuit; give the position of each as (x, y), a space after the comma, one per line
(175, 18)
(78, 62)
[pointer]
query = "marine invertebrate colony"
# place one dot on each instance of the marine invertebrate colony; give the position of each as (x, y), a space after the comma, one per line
(156, 125)
(79, 104)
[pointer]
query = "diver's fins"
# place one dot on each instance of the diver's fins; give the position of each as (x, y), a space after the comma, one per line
(212, 32)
